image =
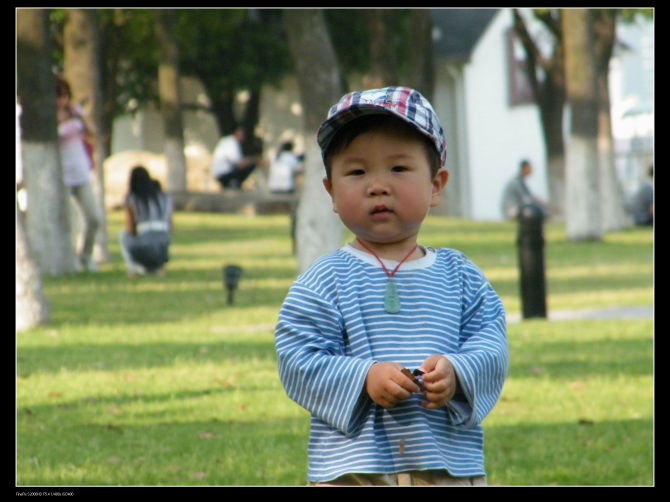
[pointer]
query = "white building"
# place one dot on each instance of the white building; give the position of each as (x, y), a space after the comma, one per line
(487, 135)
(489, 131)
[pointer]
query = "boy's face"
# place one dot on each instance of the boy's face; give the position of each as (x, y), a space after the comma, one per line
(381, 187)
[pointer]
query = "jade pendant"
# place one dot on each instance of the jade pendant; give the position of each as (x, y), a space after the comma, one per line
(391, 298)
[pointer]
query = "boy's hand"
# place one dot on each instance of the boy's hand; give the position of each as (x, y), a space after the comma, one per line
(439, 379)
(387, 385)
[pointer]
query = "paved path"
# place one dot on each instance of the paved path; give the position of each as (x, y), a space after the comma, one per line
(641, 312)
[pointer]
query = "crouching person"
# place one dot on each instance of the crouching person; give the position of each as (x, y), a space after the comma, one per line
(145, 241)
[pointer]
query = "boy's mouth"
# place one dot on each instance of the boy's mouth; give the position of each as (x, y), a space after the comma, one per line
(380, 209)
(380, 212)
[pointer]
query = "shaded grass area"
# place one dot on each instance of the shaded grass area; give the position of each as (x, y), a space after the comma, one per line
(616, 271)
(157, 381)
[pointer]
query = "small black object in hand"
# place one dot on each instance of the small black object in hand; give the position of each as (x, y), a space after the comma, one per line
(415, 377)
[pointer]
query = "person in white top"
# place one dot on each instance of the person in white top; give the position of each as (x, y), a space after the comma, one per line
(77, 165)
(284, 168)
(229, 165)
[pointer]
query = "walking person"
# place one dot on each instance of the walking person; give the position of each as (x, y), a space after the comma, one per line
(77, 165)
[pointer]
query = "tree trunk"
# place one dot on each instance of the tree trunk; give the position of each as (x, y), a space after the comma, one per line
(583, 219)
(318, 229)
(48, 213)
(612, 197)
(613, 207)
(168, 90)
(549, 95)
(422, 63)
(253, 145)
(111, 28)
(32, 307)
(383, 62)
(223, 110)
(551, 106)
(81, 48)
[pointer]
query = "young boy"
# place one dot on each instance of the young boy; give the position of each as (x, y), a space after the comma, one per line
(382, 304)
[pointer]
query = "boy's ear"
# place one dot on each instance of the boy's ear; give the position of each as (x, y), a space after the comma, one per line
(329, 188)
(439, 182)
(328, 185)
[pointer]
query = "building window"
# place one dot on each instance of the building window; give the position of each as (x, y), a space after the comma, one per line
(520, 92)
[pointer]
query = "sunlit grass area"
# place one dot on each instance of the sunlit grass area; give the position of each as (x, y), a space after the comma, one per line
(158, 381)
(577, 408)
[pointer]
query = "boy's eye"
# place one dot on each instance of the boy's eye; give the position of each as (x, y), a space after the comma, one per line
(399, 169)
(355, 172)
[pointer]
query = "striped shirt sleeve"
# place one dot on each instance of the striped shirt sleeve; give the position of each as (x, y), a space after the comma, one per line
(313, 366)
(481, 362)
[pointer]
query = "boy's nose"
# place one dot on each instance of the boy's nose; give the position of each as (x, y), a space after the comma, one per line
(378, 186)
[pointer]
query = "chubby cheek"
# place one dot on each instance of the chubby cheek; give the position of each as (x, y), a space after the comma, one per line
(413, 201)
(347, 205)
(341, 196)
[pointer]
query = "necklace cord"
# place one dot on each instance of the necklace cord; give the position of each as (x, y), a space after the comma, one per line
(382, 263)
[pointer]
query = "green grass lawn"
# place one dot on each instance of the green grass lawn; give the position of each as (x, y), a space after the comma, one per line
(157, 381)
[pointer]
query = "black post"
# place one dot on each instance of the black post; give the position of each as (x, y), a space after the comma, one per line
(231, 278)
(531, 261)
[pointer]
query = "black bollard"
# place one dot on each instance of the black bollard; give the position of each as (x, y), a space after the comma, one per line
(531, 261)
(231, 279)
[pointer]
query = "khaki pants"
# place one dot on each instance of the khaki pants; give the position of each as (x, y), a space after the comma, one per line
(411, 478)
(88, 206)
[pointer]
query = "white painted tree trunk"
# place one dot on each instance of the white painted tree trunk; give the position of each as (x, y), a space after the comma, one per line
(318, 230)
(48, 226)
(583, 192)
(31, 304)
(47, 222)
(32, 307)
(583, 220)
(556, 173)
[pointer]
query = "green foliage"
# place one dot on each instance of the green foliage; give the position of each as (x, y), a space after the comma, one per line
(630, 15)
(232, 49)
(157, 381)
(350, 36)
(229, 49)
(130, 55)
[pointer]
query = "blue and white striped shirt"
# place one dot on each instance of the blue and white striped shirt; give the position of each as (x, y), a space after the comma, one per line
(332, 327)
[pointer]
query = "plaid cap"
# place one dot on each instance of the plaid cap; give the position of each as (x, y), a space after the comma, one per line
(403, 102)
